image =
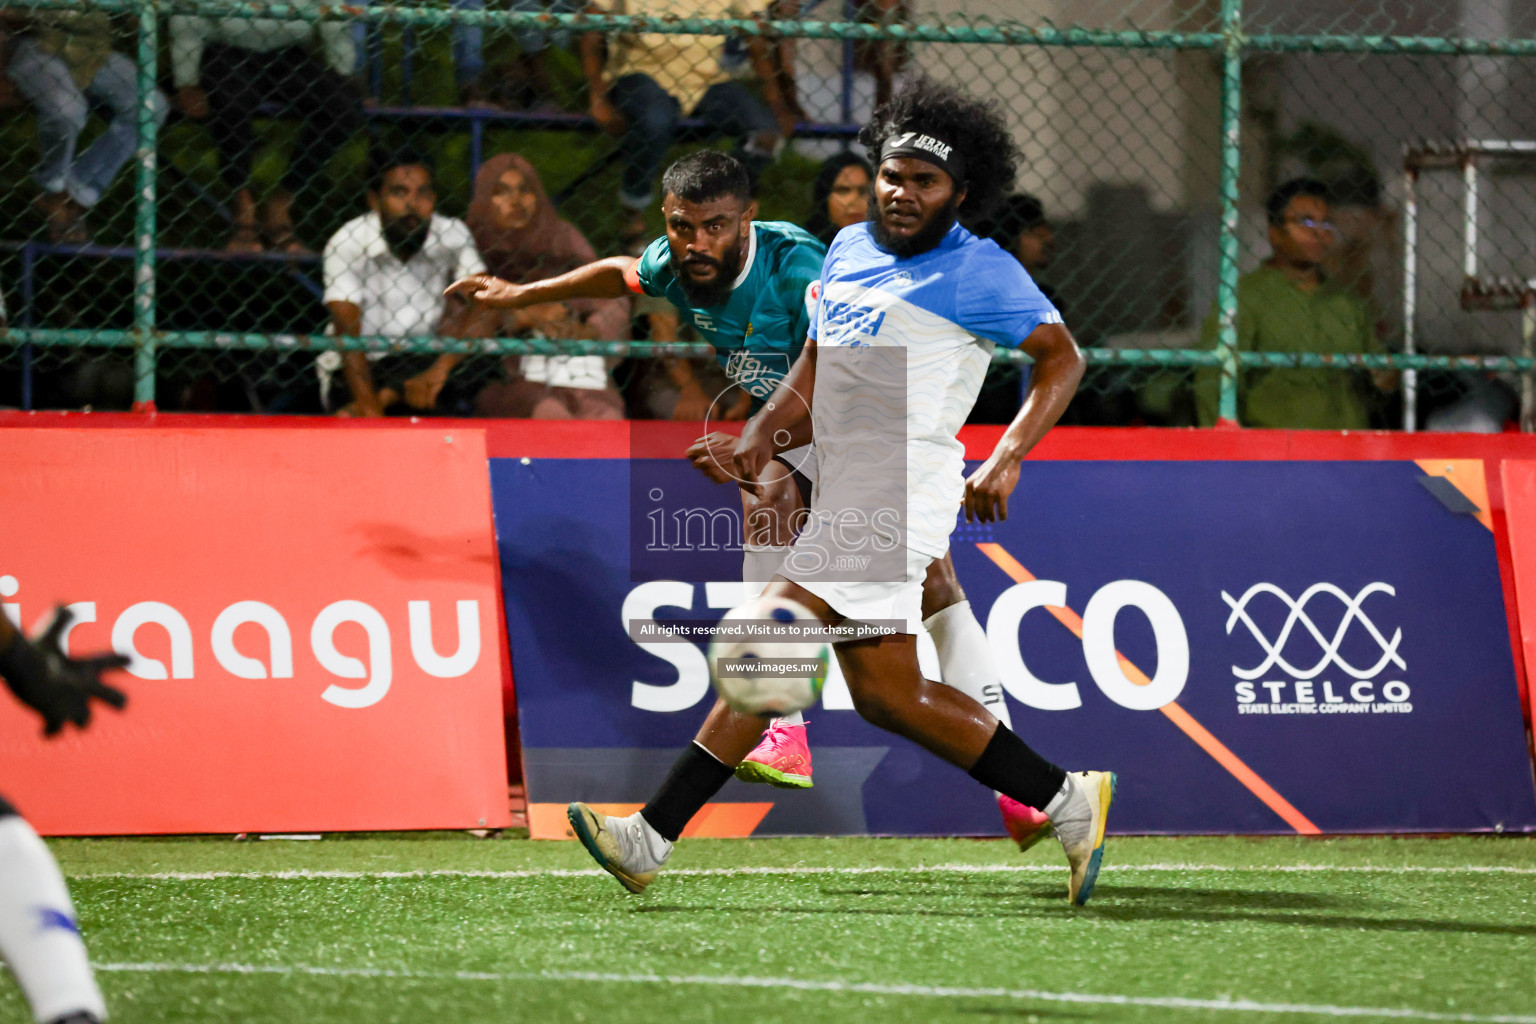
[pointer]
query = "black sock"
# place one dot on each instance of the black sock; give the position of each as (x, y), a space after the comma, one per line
(697, 776)
(1009, 766)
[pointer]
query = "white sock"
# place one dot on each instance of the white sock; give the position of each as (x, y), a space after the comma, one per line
(38, 936)
(797, 718)
(965, 658)
(759, 564)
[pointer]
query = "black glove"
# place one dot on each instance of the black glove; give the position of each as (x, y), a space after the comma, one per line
(55, 685)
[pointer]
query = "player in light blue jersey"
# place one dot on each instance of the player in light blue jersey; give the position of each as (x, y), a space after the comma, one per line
(911, 307)
(748, 287)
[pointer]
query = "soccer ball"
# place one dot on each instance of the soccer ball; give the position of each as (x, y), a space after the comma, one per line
(755, 632)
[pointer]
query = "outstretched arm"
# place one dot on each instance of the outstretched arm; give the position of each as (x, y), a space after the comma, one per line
(603, 279)
(1052, 383)
(53, 684)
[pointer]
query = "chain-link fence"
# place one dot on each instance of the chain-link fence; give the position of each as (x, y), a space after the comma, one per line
(251, 207)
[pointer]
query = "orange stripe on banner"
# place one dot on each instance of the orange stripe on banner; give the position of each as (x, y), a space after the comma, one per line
(714, 820)
(1467, 476)
(1176, 714)
(1240, 771)
(1010, 565)
(727, 821)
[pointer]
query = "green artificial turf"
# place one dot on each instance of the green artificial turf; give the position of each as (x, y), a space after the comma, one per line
(897, 930)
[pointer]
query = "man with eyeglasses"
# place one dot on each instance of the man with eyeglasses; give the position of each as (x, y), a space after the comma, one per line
(1289, 305)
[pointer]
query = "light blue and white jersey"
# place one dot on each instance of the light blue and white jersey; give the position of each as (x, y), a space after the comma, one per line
(907, 342)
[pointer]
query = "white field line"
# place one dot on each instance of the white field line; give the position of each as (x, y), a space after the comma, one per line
(806, 985)
(918, 869)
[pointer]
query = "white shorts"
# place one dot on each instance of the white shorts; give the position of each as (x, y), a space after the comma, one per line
(891, 594)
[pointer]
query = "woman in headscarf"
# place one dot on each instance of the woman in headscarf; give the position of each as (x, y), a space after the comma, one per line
(839, 195)
(523, 238)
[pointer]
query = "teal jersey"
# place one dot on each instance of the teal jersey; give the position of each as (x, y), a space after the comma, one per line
(759, 331)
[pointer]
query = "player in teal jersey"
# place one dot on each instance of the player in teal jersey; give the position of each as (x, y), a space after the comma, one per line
(749, 287)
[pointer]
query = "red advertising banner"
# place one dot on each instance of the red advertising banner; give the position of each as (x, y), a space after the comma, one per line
(313, 618)
(1519, 479)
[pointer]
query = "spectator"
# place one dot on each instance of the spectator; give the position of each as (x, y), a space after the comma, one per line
(384, 275)
(1289, 305)
(1020, 227)
(523, 239)
(651, 79)
(815, 87)
(226, 68)
(839, 195)
(63, 63)
(525, 85)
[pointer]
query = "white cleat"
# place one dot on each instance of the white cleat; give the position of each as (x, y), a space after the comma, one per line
(627, 848)
(1080, 827)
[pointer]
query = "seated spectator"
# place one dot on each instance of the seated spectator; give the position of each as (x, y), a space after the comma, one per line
(813, 74)
(839, 195)
(384, 275)
(650, 80)
(523, 238)
(63, 63)
(1289, 305)
(523, 86)
(225, 68)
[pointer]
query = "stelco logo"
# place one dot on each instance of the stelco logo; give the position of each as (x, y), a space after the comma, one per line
(1302, 667)
(378, 671)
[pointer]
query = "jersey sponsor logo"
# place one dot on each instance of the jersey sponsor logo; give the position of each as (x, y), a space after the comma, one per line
(849, 324)
(703, 321)
(757, 373)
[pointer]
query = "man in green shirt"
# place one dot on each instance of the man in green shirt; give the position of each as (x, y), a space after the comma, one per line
(1289, 305)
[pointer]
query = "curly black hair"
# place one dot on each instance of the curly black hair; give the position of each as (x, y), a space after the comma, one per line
(976, 129)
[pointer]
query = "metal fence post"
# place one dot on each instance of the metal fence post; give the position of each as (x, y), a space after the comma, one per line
(1231, 166)
(145, 354)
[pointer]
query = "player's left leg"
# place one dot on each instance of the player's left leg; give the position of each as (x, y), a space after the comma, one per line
(783, 758)
(965, 662)
(889, 690)
(39, 938)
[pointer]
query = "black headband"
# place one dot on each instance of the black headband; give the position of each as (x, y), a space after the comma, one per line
(926, 148)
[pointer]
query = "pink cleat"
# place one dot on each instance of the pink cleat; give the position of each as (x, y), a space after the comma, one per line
(1026, 825)
(782, 759)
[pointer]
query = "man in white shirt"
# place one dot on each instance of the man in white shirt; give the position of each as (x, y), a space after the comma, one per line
(225, 68)
(384, 275)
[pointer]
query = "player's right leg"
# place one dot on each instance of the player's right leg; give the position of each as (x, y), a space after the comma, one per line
(39, 937)
(635, 847)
